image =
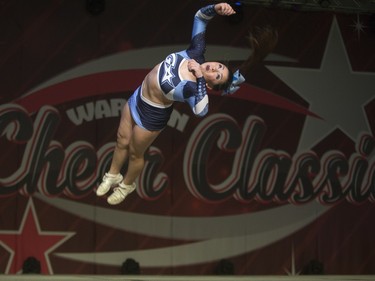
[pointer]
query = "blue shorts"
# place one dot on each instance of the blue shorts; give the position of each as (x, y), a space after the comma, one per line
(147, 115)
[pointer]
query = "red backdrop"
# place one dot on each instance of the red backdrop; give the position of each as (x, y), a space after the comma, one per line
(277, 175)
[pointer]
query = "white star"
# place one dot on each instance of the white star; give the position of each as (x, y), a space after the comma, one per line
(292, 271)
(358, 27)
(169, 65)
(334, 92)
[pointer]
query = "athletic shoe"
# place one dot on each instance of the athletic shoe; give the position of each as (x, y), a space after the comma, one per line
(119, 193)
(109, 181)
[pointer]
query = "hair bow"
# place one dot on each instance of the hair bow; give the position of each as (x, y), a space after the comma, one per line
(236, 81)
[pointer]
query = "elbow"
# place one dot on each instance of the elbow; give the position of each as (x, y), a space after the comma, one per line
(202, 113)
(201, 108)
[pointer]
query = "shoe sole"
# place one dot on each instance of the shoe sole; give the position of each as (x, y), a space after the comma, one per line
(101, 193)
(116, 203)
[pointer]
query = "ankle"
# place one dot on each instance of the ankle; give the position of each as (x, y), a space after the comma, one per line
(124, 185)
(111, 175)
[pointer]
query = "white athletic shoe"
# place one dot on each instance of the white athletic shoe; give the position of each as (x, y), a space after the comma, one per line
(109, 181)
(119, 193)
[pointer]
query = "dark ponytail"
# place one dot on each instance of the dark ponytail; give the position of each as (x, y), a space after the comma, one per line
(262, 41)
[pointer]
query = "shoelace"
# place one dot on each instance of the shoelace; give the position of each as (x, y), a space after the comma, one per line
(123, 190)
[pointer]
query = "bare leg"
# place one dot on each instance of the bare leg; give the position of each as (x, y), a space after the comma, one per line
(124, 134)
(141, 139)
(121, 152)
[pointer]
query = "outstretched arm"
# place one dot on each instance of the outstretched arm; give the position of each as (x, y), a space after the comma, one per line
(195, 94)
(202, 17)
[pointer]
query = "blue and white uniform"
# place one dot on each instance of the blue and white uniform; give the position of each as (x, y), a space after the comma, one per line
(151, 116)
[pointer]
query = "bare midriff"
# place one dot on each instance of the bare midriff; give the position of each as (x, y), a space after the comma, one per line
(151, 89)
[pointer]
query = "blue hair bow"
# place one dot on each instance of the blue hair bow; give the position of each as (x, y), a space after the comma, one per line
(235, 85)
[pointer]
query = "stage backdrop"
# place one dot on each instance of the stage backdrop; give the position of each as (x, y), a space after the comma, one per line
(277, 175)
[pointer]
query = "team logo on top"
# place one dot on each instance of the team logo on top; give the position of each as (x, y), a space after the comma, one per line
(169, 64)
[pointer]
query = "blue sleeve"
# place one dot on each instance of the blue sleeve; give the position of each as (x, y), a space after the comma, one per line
(195, 94)
(197, 46)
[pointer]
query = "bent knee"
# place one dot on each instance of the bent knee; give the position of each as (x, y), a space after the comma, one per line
(135, 153)
(122, 141)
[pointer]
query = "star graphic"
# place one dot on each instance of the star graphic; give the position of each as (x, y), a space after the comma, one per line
(334, 92)
(292, 271)
(358, 27)
(29, 240)
(169, 65)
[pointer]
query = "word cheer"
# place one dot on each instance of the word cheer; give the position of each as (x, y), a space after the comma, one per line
(258, 174)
